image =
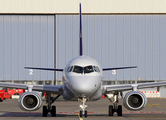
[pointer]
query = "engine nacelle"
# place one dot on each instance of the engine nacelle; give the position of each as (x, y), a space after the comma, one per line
(135, 100)
(30, 101)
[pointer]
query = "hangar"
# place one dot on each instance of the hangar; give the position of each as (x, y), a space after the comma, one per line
(42, 33)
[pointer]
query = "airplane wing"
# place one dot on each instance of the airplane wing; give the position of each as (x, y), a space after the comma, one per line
(124, 87)
(57, 89)
(106, 69)
(52, 69)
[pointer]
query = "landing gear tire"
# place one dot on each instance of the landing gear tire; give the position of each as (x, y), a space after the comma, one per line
(45, 112)
(83, 106)
(85, 114)
(80, 113)
(110, 110)
(53, 111)
(119, 110)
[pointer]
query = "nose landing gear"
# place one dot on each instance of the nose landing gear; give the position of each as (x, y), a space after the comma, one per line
(83, 106)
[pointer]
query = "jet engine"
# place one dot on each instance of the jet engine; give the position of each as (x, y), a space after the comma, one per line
(30, 101)
(135, 100)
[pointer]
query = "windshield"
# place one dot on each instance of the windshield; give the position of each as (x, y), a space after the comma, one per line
(78, 69)
(87, 69)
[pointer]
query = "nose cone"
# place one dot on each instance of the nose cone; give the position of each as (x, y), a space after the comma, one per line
(85, 86)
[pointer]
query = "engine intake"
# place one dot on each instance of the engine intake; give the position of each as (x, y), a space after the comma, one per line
(30, 101)
(135, 100)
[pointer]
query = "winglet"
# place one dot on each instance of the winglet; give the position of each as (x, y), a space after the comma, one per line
(80, 34)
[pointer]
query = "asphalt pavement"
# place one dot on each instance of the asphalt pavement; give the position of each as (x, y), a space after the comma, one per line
(97, 110)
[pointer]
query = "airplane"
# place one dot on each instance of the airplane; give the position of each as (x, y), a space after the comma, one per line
(82, 81)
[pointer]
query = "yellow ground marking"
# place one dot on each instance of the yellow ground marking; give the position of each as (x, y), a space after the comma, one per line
(103, 112)
(80, 118)
(152, 105)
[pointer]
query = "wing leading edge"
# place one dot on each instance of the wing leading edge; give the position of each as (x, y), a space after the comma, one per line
(105, 69)
(111, 88)
(57, 89)
(51, 69)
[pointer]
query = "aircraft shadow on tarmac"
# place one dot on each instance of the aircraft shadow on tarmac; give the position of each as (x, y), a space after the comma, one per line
(25, 114)
(126, 115)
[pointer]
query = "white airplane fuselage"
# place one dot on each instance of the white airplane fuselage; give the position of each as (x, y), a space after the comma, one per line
(82, 78)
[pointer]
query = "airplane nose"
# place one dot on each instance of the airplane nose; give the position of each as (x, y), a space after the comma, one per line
(84, 86)
(84, 89)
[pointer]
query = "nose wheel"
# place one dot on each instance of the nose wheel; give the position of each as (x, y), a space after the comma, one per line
(83, 106)
(85, 113)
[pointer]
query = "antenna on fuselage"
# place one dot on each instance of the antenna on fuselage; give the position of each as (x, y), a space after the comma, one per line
(80, 34)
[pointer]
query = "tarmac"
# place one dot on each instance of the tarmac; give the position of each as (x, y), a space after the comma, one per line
(97, 110)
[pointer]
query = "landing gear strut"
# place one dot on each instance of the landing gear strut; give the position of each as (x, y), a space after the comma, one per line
(83, 106)
(115, 107)
(49, 108)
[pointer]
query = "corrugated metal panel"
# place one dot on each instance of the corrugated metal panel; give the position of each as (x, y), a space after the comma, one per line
(1, 49)
(115, 41)
(162, 47)
(26, 40)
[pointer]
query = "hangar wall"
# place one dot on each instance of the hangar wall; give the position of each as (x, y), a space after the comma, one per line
(116, 41)
(26, 40)
(136, 27)
(113, 40)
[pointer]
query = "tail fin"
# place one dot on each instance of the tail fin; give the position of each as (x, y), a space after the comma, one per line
(80, 35)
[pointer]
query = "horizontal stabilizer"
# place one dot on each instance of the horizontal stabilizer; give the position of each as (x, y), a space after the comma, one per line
(52, 69)
(105, 69)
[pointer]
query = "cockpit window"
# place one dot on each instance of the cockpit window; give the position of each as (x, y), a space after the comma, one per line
(85, 70)
(70, 69)
(88, 69)
(78, 69)
(96, 69)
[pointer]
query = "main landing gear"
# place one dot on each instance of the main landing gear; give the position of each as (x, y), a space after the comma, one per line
(49, 108)
(83, 106)
(115, 107)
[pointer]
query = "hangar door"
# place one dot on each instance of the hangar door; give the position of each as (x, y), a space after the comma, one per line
(116, 41)
(26, 40)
